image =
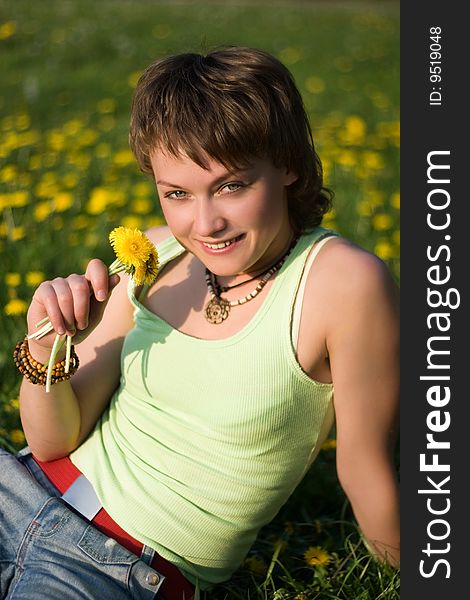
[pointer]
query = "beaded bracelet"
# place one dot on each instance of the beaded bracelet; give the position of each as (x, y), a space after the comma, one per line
(36, 372)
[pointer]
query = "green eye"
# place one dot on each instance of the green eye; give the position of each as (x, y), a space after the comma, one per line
(232, 187)
(176, 195)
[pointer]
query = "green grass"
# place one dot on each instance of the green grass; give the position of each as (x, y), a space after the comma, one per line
(66, 179)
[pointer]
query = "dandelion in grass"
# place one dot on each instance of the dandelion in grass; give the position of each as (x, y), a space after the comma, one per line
(256, 566)
(317, 557)
(136, 255)
(15, 307)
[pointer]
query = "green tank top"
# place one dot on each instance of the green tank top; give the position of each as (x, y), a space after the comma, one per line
(205, 440)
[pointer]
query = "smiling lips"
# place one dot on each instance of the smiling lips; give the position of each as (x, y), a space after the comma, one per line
(221, 245)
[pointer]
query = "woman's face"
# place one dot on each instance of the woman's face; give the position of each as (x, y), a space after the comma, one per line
(233, 221)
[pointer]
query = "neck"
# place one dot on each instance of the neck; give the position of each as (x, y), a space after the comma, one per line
(260, 267)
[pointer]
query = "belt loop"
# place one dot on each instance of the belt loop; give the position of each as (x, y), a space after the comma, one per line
(147, 554)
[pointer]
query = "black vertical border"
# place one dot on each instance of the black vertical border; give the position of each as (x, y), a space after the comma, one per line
(425, 129)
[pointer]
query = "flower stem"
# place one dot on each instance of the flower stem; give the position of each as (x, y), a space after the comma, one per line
(59, 339)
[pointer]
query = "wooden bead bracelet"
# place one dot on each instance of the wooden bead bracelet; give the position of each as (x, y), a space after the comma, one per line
(36, 372)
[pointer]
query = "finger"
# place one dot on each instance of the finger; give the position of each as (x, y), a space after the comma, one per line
(46, 297)
(65, 302)
(80, 288)
(97, 275)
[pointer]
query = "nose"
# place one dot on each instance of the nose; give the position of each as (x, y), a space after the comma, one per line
(208, 219)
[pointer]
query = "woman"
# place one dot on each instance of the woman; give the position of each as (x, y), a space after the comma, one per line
(201, 400)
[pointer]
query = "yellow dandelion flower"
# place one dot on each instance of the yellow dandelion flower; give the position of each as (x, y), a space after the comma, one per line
(318, 526)
(35, 163)
(17, 233)
(34, 278)
(329, 444)
(103, 150)
(290, 55)
(107, 123)
(42, 211)
(146, 273)
(73, 127)
(301, 596)
(142, 189)
(56, 140)
(8, 173)
(7, 30)
(14, 200)
(15, 307)
(142, 205)
(133, 221)
(123, 158)
(256, 565)
(81, 222)
(131, 246)
(385, 250)
(363, 208)
(135, 254)
(343, 64)
(355, 130)
(70, 180)
(317, 557)
(63, 201)
(107, 105)
(347, 158)
(99, 201)
(13, 279)
(289, 527)
(87, 137)
(134, 78)
(314, 85)
(380, 100)
(373, 160)
(17, 436)
(381, 221)
(395, 200)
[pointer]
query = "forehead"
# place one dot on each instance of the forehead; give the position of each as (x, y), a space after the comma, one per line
(165, 163)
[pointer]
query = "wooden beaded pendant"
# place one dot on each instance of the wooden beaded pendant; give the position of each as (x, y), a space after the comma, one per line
(218, 308)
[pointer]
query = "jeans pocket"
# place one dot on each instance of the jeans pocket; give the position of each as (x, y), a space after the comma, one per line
(50, 520)
(104, 550)
(112, 560)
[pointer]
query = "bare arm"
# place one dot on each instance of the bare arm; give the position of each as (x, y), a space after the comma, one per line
(55, 423)
(363, 346)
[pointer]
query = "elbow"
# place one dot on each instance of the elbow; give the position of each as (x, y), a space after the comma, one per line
(44, 452)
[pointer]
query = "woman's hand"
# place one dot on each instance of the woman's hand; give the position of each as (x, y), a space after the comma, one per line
(74, 305)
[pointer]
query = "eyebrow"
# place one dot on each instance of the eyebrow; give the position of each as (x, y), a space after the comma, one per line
(220, 179)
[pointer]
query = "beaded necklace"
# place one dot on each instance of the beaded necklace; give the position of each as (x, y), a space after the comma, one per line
(218, 308)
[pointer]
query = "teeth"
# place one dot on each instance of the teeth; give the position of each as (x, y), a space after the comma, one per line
(220, 246)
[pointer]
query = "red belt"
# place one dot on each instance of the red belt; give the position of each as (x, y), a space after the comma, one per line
(62, 473)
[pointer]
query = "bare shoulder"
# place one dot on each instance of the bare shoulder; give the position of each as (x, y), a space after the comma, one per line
(347, 281)
(345, 269)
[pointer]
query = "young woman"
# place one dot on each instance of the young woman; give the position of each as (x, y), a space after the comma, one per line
(201, 401)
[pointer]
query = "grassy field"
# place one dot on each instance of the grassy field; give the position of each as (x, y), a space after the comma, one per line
(67, 177)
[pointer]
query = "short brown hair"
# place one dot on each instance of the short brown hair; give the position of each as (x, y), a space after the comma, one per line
(232, 104)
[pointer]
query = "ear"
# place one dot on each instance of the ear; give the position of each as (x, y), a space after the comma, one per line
(290, 177)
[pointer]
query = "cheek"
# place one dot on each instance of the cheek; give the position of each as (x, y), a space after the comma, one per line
(174, 217)
(272, 207)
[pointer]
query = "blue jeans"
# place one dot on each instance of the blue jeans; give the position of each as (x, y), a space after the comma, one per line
(48, 551)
